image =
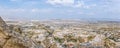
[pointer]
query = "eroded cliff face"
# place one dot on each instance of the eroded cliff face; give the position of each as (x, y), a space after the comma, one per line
(13, 39)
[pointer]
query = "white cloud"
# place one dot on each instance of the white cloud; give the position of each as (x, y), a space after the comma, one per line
(79, 4)
(35, 10)
(69, 3)
(61, 2)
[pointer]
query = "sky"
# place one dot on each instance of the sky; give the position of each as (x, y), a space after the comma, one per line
(59, 9)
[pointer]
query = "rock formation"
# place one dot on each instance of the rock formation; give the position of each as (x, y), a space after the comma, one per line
(13, 39)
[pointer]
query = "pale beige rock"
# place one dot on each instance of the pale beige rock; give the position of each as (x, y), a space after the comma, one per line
(12, 39)
(14, 43)
(3, 38)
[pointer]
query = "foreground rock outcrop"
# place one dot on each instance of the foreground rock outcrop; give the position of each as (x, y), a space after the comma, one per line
(12, 39)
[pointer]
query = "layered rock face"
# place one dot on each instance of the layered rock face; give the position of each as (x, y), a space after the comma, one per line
(13, 39)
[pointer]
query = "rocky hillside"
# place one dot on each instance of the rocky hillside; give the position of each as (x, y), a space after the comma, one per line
(59, 34)
(13, 39)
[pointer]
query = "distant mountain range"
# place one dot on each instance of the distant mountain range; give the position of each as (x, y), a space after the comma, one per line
(81, 19)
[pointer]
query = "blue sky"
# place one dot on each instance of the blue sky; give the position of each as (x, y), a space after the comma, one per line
(59, 9)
